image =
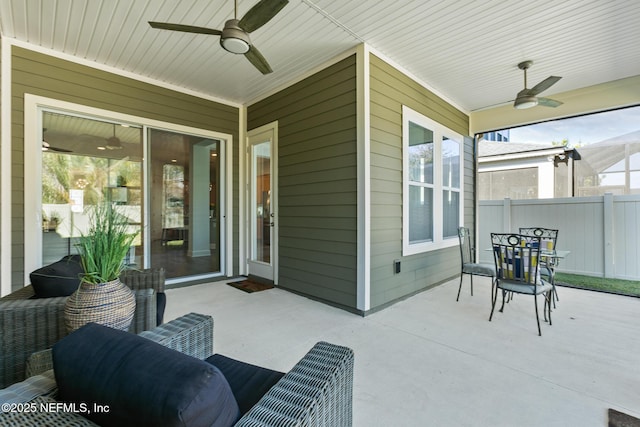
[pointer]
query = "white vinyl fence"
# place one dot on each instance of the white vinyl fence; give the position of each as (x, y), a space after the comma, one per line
(602, 232)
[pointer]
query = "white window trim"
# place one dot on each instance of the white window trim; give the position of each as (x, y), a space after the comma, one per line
(440, 131)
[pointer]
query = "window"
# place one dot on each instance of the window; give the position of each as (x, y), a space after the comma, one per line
(515, 184)
(432, 200)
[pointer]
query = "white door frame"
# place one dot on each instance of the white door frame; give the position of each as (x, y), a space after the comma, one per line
(264, 133)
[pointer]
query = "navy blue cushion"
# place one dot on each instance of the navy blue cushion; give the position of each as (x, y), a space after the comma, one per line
(59, 279)
(248, 382)
(142, 383)
(161, 300)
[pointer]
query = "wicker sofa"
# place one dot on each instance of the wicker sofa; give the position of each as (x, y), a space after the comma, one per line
(29, 324)
(317, 391)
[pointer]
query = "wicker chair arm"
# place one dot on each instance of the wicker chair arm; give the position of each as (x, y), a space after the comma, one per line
(144, 317)
(22, 293)
(153, 278)
(27, 326)
(190, 334)
(318, 391)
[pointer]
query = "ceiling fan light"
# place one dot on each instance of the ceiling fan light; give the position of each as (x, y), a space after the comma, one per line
(113, 143)
(233, 39)
(524, 102)
(234, 45)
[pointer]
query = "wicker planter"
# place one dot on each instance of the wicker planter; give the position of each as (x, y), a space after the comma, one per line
(111, 304)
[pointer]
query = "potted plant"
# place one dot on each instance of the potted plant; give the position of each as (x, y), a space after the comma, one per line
(101, 297)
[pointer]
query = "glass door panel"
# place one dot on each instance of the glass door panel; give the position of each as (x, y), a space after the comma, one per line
(184, 203)
(262, 201)
(86, 162)
(261, 250)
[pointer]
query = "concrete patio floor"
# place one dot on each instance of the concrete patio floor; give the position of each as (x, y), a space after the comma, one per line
(430, 360)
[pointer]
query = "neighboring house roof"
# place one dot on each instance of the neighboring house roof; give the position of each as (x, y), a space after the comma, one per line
(604, 154)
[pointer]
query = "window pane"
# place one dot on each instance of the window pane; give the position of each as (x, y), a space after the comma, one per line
(514, 184)
(420, 214)
(420, 154)
(450, 213)
(450, 163)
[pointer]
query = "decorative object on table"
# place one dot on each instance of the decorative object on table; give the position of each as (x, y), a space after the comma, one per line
(101, 297)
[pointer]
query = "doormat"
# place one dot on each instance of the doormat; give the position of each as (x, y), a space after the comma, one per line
(250, 286)
(619, 419)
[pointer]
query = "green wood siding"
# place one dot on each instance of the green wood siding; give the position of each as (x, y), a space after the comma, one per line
(317, 156)
(389, 90)
(52, 77)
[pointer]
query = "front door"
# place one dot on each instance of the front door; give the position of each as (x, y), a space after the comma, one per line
(262, 204)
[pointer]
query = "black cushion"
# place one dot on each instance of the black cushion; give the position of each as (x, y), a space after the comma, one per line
(248, 382)
(142, 383)
(59, 279)
(161, 300)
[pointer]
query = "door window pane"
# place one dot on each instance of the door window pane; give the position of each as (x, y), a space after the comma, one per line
(184, 223)
(87, 162)
(262, 209)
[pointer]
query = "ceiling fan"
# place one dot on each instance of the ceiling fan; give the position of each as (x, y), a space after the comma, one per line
(113, 142)
(528, 98)
(234, 37)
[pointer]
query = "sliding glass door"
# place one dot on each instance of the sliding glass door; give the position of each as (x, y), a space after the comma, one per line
(168, 184)
(184, 208)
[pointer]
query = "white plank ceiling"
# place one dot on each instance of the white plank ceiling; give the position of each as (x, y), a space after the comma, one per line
(467, 51)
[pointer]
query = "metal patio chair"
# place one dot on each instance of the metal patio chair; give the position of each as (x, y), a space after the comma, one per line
(548, 237)
(517, 260)
(468, 266)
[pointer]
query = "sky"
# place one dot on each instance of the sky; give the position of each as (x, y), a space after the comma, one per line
(581, 130)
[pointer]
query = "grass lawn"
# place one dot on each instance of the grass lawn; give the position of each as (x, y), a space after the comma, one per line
(615, 286)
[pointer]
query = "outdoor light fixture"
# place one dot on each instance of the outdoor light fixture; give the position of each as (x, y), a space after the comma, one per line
(524, 102)
(233, 39)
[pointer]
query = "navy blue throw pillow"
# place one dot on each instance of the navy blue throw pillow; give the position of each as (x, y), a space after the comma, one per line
(59, 279)
(248, 382)
(123, 379)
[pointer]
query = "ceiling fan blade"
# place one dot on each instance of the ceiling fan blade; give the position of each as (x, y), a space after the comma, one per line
(184, 28)
(544, 85)
(255, 57)
(60, 150)
(47, 147)
(547, 102)
(260, 14)
(525, 92)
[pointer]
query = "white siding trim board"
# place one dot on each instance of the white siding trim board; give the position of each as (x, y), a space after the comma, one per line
(364, 179)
